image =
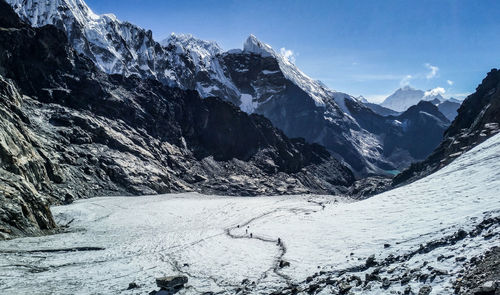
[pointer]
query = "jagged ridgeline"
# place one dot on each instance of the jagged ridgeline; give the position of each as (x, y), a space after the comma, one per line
(69, 130)
(255, 78)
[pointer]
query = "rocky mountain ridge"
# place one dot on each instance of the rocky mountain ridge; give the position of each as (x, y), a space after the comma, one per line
(72, 131)
(256, 78)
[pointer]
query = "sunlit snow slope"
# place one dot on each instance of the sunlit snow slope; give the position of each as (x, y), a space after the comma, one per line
(147, 237)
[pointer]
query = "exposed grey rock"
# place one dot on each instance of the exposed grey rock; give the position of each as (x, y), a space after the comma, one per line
(425, 290)
(369, 186)
(370, 261)
(481, 275)
(386, 283)
(487, 288)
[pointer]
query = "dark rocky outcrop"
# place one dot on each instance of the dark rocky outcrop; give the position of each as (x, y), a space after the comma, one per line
(378, 109)
(369, 186)
(478, 119)
(70, 131)
(481, 276)
(23, 210)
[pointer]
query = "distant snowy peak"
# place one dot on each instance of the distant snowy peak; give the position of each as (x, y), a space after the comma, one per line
(407, 96)
(253, 45)
(403, 98)
(429, 96)
(362, 99)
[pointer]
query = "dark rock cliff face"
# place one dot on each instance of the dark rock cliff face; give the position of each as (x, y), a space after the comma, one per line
(23, 171)
(478, 119)
(69, 131)
(292, 110)
(449, 109)
(378, 109)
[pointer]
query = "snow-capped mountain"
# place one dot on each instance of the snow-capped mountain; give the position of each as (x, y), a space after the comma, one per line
(407, 96)
(256, 78)
(115, 47)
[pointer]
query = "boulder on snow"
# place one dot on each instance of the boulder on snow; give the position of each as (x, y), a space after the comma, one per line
(284, 263)
(171, 282)
(370, 261)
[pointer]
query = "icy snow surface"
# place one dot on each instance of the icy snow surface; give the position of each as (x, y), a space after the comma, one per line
(198, 235)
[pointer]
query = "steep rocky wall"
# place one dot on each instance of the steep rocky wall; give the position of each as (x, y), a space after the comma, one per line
(23, 171)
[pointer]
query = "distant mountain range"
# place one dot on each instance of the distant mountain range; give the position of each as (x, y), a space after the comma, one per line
(478, 119)
(405, 97)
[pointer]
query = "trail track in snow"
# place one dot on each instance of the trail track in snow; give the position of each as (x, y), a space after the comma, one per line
(278, 242)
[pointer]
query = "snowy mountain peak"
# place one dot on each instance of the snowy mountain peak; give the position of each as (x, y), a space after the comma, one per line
(273, 88)
(40, 13)
(403, 98)
(406, 88)
(433, 95)
(254, 45)
(362, 99)
(200, 47)
(407, 96)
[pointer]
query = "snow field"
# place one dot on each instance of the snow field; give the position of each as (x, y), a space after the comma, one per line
(197, 235)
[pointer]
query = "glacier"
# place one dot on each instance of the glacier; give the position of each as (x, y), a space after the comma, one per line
(208, 238)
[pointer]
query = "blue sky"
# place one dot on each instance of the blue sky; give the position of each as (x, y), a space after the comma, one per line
(366, 48)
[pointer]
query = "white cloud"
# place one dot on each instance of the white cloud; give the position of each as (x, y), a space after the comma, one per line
(433, 71)
(449, 82)
(435, 91)
(405, 81)
(288, 54)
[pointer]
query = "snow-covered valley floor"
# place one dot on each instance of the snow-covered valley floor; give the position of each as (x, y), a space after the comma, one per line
(420, 234)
